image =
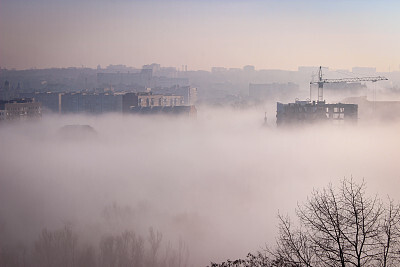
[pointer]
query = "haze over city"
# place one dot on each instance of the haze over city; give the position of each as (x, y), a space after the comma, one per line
(200, 34)
(199, 133)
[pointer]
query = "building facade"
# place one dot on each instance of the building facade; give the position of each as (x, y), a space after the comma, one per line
(20, 109)
(307, 112)
(95, 103)
(148, 99)
(51, 101)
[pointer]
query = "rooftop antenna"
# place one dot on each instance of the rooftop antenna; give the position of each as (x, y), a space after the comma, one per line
(320, 85)
(265, 119)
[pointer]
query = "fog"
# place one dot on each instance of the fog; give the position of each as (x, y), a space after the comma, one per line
(216, 182)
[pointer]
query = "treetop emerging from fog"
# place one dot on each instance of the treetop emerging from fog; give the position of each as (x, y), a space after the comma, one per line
(337, 227)
(342, 227)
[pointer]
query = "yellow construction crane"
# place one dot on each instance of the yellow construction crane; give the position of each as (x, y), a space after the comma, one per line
(321, 82)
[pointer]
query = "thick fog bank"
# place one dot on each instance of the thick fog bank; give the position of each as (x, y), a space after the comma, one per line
(216, 182)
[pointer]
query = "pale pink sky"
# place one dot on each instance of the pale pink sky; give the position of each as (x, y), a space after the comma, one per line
(200, 34)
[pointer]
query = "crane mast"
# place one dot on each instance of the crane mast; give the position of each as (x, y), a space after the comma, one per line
(321, 82)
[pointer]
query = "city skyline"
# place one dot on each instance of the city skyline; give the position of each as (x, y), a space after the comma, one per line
(200, 34)
(185, 133)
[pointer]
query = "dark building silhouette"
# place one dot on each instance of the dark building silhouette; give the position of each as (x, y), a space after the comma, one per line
(306, 112)
(90, 102)
(51, 101)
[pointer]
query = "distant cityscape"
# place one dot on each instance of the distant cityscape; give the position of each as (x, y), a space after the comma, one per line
(154, 89)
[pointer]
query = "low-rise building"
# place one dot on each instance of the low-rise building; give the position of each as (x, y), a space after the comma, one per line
(148, 99)
(20, 109)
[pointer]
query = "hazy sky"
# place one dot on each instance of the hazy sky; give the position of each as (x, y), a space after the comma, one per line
(200, 34)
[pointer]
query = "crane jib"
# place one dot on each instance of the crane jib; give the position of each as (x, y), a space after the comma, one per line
(321, 82)
(364, 79)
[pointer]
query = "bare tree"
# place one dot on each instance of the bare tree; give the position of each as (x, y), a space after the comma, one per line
(13, 255)
(294, 246)
(126, 249)
(56, 248)
(341, 227)
(176, 257)
(86, 257)
(154, 239)
(389, 239)
(252, 260)
(107, 257)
